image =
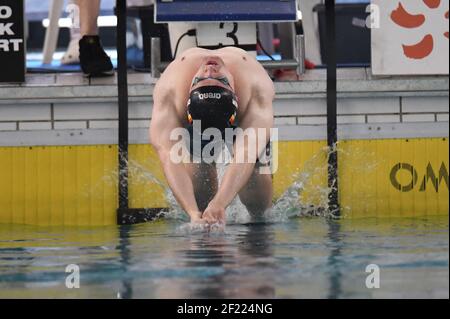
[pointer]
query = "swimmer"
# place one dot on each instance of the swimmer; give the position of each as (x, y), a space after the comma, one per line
(223, 89)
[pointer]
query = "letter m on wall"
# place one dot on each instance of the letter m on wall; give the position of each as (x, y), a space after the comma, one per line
(430, 176)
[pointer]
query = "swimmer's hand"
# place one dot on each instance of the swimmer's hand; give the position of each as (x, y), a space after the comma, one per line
(196, 218)
(214, 213)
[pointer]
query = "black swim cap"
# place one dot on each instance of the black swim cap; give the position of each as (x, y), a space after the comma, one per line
(214, 106)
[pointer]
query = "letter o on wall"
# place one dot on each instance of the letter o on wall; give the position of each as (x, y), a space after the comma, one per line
(396, 183)
(5, 12)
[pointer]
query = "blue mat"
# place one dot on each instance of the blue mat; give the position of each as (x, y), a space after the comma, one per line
(54, 67)
(34, 66)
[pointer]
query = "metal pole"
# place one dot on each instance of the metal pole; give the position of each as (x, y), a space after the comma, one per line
(126, 215)
(122, 85)
(333, 196)
(156, 57)
(300, 53)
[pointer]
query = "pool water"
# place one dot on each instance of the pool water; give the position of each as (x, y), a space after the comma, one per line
(303, 257)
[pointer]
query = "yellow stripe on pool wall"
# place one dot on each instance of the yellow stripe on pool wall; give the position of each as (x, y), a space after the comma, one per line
(58, 185)
(377, 178)
(77, 185)
(394, 177)
(147, 182)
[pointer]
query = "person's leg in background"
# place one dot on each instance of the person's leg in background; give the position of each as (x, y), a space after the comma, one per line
(93, 59)
(89, 11)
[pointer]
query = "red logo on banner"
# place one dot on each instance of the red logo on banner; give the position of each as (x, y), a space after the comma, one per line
(404, 19)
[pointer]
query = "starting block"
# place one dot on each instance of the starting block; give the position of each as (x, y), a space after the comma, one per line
(230, 23)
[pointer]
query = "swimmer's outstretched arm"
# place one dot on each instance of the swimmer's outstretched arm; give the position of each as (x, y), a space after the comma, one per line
(164, 120)
(258, 115)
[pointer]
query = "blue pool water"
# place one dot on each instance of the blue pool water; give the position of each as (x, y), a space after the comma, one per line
(303, 257)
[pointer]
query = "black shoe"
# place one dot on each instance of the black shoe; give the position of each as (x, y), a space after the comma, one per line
(93, 59)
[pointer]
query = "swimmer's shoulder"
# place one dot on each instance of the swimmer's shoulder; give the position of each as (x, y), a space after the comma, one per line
(191, 52)
(164, 93)
(235, 51)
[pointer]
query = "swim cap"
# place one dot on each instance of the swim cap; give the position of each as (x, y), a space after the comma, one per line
(214, 106)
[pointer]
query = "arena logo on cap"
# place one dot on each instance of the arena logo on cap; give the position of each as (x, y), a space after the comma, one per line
(205, 96)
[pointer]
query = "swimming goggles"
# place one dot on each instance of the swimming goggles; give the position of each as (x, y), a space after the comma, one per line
(222, 80)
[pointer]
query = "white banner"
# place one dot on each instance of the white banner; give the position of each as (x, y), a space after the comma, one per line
(411, 38)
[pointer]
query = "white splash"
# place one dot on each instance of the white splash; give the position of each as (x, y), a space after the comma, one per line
(290, 205)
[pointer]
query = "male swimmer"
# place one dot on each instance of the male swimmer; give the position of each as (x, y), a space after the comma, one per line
(223, 89)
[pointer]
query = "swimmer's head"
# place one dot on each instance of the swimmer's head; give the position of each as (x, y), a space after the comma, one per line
(212, 99)
(214, 106)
